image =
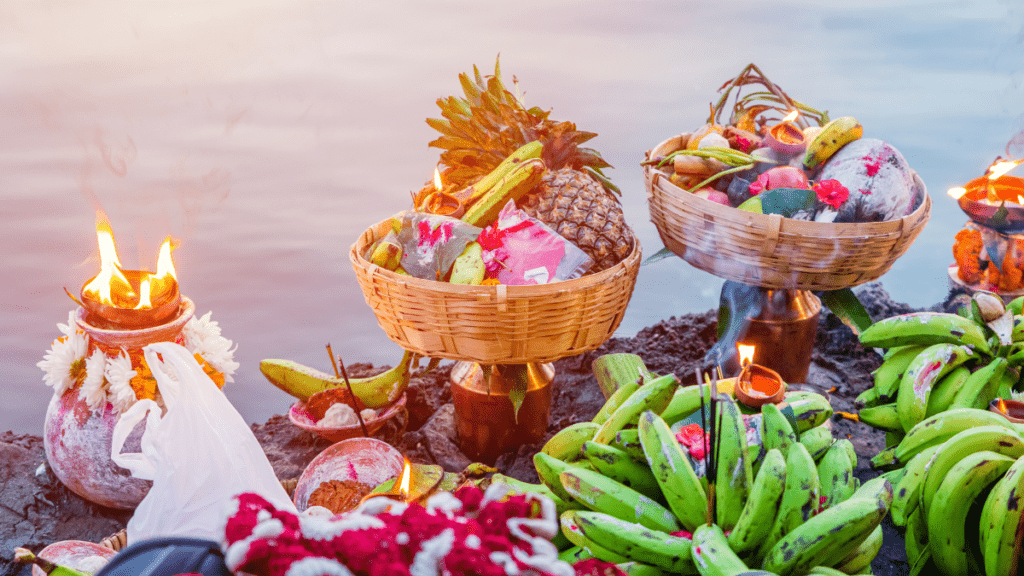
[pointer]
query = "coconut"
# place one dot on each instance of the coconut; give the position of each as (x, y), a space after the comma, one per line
(882, 185)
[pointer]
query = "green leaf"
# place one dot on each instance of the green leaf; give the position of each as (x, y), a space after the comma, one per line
(520, 379)
(658, 256)
(845, 305)
(787, 201)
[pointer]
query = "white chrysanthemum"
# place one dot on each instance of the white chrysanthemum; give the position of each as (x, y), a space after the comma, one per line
(202, 336)
(62, 359)
(119, 374)
(93, 391)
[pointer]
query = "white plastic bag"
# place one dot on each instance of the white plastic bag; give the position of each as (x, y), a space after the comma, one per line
(199, 455)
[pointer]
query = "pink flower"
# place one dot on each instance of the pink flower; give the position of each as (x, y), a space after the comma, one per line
(692, 436)
(831, 192)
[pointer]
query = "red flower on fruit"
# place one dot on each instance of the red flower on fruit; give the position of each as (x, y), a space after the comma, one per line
(831, 192)
(692, 436)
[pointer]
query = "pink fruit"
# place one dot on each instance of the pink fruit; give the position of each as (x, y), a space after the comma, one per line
(780, 177)
(713, 195)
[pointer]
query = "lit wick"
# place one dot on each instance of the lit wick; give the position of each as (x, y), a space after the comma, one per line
(400, 490)
(757, 385)
(1012, 410)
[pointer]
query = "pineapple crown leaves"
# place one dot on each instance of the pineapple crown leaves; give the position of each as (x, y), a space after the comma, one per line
(480, 130)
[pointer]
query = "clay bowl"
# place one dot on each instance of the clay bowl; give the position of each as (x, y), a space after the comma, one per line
(71, 553)
(300, 416)
(759, 385)
(365, 460)
(1007, 216)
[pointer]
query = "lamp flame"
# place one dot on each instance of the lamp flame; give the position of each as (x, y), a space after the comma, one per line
(1002, 406)
(791, 116)
(405, 480)
(746, 352)
(999, 168)
(438, 185)
(957, 193)
(110, 266)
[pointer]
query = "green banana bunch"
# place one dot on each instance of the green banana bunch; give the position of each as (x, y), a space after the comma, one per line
(916, 540)
(799, 501)
(567, 443)
(549, 470)
(763, 502)
(927, 367)
(372, 391)
(602, 494)
(947, 516)
(653, 395)
(777, 432)
(613, 402)
(835, 475)
(863, 555)
(936, 430)
(817, 440)
(882, 417)
(946, 390)
(528, 151)
(619, 466)
(572, 530)
(908, 490)
(887, 376)
(734, 470)
(833, 136)
(671, 466)
(980, 387)
(628, 441)
(712, 554)
(1001, 521)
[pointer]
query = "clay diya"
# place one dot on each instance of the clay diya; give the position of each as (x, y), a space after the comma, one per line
(1012, 410)
(995, 203)
(757, 385)
(365, 461)
(786, 137)
(302, 416)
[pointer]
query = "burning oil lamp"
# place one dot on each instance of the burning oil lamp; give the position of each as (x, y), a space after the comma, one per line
(995, 200)
(1012, 410)
(757, 385)
(786, 137)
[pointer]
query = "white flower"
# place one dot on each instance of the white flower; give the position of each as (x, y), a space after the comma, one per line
(71, 327)
(93, 391)
(61, 364)
(202, 336)
(119, 374)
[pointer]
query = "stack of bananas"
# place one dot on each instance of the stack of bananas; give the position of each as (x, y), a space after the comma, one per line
(939, 361)
(784, 495)
(959, 466)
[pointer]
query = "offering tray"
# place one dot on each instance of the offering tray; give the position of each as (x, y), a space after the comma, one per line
(956, 282)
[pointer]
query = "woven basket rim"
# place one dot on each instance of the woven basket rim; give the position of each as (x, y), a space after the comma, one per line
(525, 290)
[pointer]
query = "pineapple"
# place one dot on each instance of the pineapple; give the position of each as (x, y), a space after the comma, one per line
(574, 197)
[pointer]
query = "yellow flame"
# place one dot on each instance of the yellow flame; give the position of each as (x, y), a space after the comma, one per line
(746, 353)
(999, 168)
(144, 302)
(957, 193)
(791, 116)
(405, 480)
(437, 180)
(1002, 406)
(110, 266)
(164, 264)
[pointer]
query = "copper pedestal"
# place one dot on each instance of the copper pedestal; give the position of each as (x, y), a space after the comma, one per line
(784, 332)
(485, 419)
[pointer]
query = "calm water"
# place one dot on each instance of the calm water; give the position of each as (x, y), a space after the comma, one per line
(267, 135)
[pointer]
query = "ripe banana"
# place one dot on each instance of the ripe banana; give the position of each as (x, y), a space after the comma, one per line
(519, 180)
(574, 533)
(882, 417)
(525, 152)
(925, 328)
(637, 543)
(817, 441)
(653, 395)
(602, 494)
(776, 430)
(712, 555)
(947, 515)
(566, 445)
(373, 391)
(887, 376)
(925, 370)
(828, 537)
(942, 427)
(907, 496)
(1002, 523)
(469, 267)
(945, 390)
(997, 439)
(980, 387)
(833, 136)
(620, 395)
(671, 467)
(800, 500)
(619, 466)
(765, 497)
(733, 465)
(835, 475)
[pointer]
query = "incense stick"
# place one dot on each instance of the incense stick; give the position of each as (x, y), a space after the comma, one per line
(355, 401)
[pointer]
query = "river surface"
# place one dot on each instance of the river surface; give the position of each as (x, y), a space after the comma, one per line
(266, 135)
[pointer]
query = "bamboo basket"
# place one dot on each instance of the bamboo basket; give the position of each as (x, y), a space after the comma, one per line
(495, 324)
(768, 250)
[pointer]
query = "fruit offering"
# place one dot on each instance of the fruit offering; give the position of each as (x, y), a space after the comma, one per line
(991, 260)
(519, 178)
(642, 486)
(768, 158)
(941, 361)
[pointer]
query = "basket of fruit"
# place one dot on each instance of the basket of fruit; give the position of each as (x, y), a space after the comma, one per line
(517, 252)
(803, 203)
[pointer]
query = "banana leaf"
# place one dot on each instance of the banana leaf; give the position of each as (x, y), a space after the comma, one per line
(788, 201)
(845, 305)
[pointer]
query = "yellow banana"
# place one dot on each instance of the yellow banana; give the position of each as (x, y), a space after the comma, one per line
(373, 391)
(833, 136)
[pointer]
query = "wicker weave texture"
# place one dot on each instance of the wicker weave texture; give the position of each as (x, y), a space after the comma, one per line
(768, 250)
(495, 324)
